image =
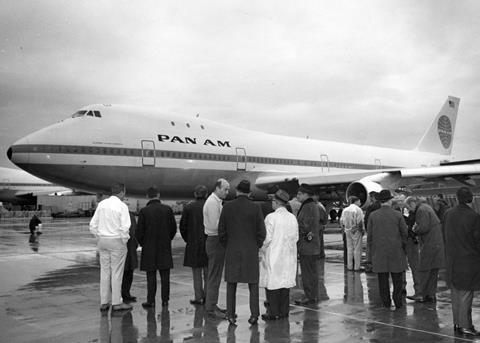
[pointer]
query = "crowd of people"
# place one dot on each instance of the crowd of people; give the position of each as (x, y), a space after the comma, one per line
(262, 245)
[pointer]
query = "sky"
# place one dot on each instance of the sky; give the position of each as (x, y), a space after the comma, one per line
(368, 72)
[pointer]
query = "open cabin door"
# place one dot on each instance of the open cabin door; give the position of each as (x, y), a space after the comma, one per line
(241, 159)
(148, 153)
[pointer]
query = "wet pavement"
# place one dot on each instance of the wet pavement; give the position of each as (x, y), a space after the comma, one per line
(49, 292)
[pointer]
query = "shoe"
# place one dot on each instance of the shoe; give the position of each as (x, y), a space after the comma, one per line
(121, 307)
(416, 298)
(429, 299)
(470, 331)
(456, 327)
(129, 298)
(253, 320)
(216, 314)
(165, 303)
(267, 317)
(197, 302)
(232, 321)
(148, 305)
(306, 301)
(104, 307)
(220, 309)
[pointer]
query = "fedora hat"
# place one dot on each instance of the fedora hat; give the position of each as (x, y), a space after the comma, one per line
(384, 195)
(244, 186)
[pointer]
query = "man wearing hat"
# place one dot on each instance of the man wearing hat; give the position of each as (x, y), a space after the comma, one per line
(387, 237)
(278, 262)
(308, 245)
(241, 230)
(462, 243)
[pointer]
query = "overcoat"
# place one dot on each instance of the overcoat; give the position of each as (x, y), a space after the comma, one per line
(193, 233)
(308, 218)
(241, 230)
(386, 239)
(462, 240)
(155, 230)
(430, 238)
(278, 256)
(131, 261)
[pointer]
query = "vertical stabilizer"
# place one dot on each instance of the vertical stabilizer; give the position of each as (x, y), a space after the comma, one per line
(438, 138)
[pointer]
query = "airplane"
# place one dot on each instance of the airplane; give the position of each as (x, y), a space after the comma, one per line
(140, 147)
(21, 188)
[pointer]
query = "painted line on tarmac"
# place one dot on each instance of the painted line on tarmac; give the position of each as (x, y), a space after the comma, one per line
(343, 315)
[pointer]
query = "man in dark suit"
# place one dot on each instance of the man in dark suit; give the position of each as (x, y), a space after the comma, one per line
(193, 233)
(131, 262)
(387, 238)
(241, 230)
(462, 242)
(308, 244)
(155, 230)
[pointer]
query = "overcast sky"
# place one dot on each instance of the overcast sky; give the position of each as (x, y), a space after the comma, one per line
(369, 72)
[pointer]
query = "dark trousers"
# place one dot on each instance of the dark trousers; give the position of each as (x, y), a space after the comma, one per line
(309, 268)
(232, 299)
(322, 243)
(216, 260)
(384, 289)
(428, 282)
(127, 282)
(278, 302)
(199, 282)
(152, 285)
(462, 307)
(344, 238)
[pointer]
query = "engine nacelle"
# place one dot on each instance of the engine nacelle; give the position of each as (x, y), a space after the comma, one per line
(372, 183)
(361, 190)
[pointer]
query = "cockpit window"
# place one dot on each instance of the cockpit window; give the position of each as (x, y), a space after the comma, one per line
(88, 113)
(79, 114)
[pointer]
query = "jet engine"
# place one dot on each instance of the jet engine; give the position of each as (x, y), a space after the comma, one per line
(376, 183)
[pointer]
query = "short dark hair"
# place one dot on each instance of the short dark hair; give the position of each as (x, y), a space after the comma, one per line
(464, 195)
(152, 192)
(200, 192)
(117, 188)
(353, 199)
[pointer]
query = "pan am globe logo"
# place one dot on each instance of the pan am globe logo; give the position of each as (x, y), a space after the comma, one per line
(445, 131)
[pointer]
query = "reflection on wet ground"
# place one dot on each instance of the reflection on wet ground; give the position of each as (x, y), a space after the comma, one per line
(49, 292)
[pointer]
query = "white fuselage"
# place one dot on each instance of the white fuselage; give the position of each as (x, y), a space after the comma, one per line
(142, 147)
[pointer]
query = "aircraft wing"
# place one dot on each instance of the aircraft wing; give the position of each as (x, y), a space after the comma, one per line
(361, 183)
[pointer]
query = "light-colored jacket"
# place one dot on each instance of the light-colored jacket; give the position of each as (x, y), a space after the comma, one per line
(111, 219)
(278, 256)
(352, 219)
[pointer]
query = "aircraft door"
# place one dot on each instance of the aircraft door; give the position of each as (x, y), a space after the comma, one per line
(325, 163)
(241, 159)
(148, 153)
(5, 184)
(378, 163)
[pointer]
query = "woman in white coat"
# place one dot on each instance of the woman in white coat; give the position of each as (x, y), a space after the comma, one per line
(278, 257)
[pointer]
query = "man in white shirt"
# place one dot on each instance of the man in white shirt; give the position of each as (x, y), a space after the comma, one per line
(111, 224)
(352, 223)
(215, 251)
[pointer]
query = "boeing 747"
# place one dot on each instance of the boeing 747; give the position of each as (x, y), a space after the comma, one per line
(102, 144)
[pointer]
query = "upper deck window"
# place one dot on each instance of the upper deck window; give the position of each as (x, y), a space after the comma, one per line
(79, 114)
(97, 114)
(90, 113)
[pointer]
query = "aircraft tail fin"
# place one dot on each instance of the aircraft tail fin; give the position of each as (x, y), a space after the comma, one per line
(439, 137)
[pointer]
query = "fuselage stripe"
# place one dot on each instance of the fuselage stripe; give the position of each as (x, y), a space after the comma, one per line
(185, 155)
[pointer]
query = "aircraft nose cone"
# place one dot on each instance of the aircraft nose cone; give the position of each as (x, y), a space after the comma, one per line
(9, 153)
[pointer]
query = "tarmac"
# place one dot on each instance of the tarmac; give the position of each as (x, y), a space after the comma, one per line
(49, 292)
